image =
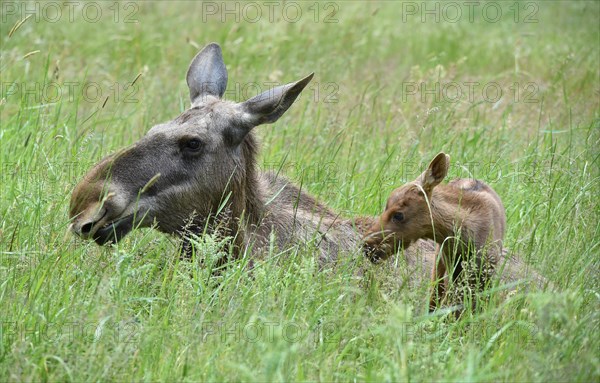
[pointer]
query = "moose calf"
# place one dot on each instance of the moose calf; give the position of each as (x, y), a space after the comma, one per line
(465, 217)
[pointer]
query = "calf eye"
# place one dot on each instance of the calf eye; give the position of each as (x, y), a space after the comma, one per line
(398, 217)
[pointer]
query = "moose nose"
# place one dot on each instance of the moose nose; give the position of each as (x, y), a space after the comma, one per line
(83, 230)
(373, 253)
(84, 225)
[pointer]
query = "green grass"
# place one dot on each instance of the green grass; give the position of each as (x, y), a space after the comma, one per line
(71, 311)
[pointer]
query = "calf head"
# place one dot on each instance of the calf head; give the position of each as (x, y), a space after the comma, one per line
(181, 168)
(407, 216)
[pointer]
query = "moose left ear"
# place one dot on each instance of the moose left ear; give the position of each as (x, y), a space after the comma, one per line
(268, 106)
(207, 75)
(435, 173)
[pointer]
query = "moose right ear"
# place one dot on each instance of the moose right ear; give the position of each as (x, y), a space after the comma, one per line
(207, 75)
(268, 106)
(435, 173)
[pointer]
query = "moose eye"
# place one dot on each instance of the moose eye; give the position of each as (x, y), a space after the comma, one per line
(193, 145)
(398, 217)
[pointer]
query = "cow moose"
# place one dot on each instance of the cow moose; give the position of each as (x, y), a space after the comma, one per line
(199, 173)
(200, 169)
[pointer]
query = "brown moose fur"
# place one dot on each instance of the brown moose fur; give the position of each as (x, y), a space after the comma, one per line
(465, 218)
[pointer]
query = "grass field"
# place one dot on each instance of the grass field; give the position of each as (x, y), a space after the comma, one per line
(511, 90)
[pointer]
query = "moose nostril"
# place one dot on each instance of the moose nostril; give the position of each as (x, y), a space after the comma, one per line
(369, 249)
(87, 228)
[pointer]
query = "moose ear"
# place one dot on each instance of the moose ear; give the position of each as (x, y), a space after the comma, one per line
(265, 108)
(268, 106)
(207, 75)
(435, 173)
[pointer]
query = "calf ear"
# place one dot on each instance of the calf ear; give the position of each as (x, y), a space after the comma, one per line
(435, 173)
(268, 106)
(207, 75)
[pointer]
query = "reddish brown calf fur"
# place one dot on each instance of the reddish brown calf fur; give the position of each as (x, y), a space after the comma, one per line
(465, 217)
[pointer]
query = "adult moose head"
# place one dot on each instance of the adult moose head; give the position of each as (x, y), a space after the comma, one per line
(183, 172)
